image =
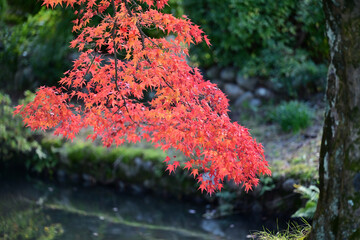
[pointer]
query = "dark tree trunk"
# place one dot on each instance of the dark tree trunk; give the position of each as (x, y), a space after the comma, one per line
(338, 212)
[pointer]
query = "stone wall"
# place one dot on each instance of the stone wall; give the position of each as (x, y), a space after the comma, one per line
(241, 90)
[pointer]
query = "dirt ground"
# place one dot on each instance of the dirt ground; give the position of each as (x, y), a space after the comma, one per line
(292, 153)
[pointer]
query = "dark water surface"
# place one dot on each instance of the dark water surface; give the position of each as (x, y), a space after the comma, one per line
(86, 213)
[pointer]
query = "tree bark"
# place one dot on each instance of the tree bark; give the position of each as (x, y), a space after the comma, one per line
(338, 211)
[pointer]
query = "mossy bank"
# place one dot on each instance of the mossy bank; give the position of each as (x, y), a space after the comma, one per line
(140, 168)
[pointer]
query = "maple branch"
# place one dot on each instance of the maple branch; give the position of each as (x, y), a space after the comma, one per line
(115, 58)
(128, 8)
(100, 15)
(146, 36)
(114, 45)
(167, 83)
(127, 109)
(142, 34)
(88, 69)
(135, 3)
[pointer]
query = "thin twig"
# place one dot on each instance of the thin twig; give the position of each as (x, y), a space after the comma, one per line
(127, 110)
(142, 34)
(115, 58)
(114, 45)
(88, 69)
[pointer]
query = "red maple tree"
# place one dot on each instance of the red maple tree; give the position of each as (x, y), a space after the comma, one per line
(186, 112)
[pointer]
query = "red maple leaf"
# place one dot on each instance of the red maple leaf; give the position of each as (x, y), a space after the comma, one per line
(194, 172)
(170, 168)
(176, 164)
(167, 159)
(188, 165)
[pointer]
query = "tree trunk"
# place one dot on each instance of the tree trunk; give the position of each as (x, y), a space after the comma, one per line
(338, 211)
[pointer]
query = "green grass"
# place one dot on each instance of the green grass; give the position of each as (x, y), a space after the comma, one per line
(292, 116)
(293, 232)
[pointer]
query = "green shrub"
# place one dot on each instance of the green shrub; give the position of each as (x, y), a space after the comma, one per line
(292, 116)
(35, 52)
(15, 140)
(3, 9)
(18, 143)
(240, 29)
(291, 72)
(17, 11)
(280, 40)
(268, 184)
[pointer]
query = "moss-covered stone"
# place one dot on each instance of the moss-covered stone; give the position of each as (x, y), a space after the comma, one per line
(133, 165)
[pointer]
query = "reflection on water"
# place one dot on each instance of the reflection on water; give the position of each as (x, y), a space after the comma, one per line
(50, 211)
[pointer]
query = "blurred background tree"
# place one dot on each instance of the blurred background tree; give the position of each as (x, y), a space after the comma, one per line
(33, 44)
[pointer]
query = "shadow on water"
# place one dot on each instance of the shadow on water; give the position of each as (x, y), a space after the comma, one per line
(51, 211)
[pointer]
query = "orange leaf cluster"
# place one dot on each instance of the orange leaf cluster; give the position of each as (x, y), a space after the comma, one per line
(185, 111)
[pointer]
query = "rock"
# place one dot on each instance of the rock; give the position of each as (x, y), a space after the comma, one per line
(131, 171)
(264, 93)
(257, 190)
(274, 204)
(232, 185)
(227, 74)
(288, 185)
(311, 132)
(245, 82)
(136, 189)
(61, 175)
(73, 56)
(149, 184)
(74, 178)
(256, 207)
(147, 165)
(246, 97)
(212, 72)
(218, 82)
(212, 227)
(121, 186)
(233, 90)
(192, 211)
(138, 162)
(88, 180)
(255, 103)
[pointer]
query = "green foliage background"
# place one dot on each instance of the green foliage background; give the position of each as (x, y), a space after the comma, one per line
(241, 30)
(14, 138)
(282, 41)
(34, 44)
(17, 142)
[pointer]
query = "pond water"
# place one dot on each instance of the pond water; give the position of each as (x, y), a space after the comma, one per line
(67, 212)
